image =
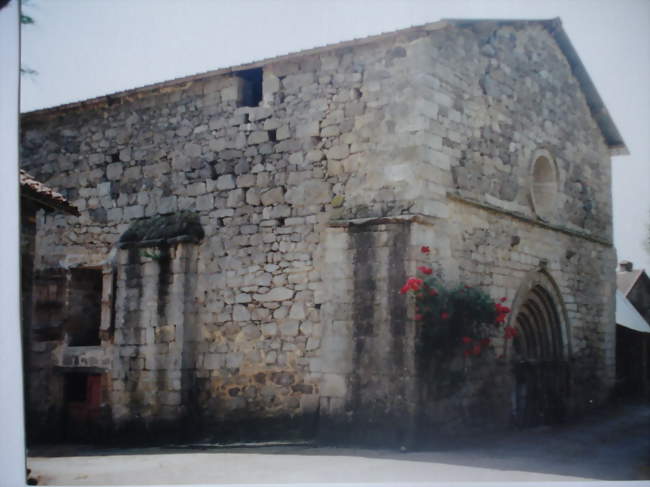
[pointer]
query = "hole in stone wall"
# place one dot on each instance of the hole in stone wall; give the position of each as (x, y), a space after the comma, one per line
(281, 221)
(272, 136)
(251, 94)
(247, 118)
(115, 157)
(214, 174)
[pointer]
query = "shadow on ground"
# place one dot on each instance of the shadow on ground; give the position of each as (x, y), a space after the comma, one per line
(613, 444)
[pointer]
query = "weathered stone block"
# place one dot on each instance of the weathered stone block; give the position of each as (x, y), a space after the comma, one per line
(240, 313)
(114, 171)
(275, 294)
(226, 181)
(289, 327)
(273, 196)
(309, 193)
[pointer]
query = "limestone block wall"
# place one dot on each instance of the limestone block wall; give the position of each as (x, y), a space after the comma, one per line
(499, 253)
(265, 182)
(304, 195)
(494, 97)
(491, 99)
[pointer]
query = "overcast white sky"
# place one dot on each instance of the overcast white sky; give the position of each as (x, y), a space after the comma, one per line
(88, 48)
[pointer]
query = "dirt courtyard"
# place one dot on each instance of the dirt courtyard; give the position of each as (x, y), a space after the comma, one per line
(612, 445)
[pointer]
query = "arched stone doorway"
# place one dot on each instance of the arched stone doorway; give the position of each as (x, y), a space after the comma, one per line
(540, 353)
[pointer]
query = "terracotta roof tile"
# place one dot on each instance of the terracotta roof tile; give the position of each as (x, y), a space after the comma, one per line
(44, 195)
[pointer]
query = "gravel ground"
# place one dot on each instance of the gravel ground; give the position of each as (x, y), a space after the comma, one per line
(612, 445)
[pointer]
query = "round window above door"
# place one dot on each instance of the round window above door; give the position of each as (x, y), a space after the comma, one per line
(544, 187)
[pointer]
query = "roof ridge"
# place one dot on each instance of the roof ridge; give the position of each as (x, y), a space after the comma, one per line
(599, 112)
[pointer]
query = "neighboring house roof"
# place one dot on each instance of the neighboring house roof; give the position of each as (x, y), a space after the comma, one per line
(625, 281)
(628, 316)
(598, 110)
(43, 195)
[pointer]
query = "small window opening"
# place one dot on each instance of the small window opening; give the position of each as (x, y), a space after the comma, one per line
(251, 95)
(85, 307)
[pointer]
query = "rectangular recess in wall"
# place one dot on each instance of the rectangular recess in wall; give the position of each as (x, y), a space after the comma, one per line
(84, 307)
(251, 93)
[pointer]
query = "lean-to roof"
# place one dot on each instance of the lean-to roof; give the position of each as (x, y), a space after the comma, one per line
(43, 195)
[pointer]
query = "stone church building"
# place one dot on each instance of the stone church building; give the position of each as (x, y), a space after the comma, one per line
(244, 233)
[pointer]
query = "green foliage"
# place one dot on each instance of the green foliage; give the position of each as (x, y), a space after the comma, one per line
(151, 254)
(454, 324)
(26, 19)
(448, 315)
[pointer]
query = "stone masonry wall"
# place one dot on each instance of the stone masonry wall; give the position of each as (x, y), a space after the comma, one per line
(438, 127)
(265, 181)
(489, 99)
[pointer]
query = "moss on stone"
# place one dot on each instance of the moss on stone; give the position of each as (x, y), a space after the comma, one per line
(163, 229)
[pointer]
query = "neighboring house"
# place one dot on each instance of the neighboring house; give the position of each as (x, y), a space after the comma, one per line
(633, 332)
(245, 232)
(34, 196)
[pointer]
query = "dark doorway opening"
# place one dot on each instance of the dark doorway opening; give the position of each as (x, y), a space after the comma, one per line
(540, 390)
(85, 307)
(541, 373)
(82, 402)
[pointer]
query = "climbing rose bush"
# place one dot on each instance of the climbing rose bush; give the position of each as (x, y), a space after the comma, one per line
(458, 316)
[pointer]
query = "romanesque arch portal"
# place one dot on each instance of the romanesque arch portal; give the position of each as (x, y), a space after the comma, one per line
(539, 355)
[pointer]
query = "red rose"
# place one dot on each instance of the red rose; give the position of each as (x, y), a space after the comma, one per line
(415, 283)
(433, 292)
(418, 317)
(425, 270)
(509, 332)
(425, 249)
(503, 300)
(501, 309)
(412, 284)
(485, 342)
(444, 315)
(466, 340)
